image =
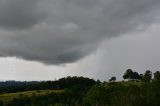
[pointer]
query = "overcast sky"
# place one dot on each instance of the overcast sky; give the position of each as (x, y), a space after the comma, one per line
(50, 39)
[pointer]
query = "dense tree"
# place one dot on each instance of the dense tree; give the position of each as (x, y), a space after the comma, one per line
(112, 79)
(135, 76)
(128, 74)
(96, 96)
(157, 75)
(140, 76)
(147, 76)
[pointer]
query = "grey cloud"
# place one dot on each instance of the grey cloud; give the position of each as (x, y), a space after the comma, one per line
(20, 14)
(63, 31)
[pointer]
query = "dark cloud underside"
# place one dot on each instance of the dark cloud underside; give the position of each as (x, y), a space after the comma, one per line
(63, 31)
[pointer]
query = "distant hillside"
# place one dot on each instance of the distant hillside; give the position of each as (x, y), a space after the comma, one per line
(14, 86)
(16, 83)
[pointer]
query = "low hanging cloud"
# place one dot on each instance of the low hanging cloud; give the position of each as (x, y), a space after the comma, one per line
(64, 31)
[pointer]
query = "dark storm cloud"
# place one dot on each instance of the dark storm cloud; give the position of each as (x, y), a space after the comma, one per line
(63, 31)
(19, 14)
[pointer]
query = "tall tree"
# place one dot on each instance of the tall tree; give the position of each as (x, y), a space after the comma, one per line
(157, 75)
(128, 74)
(140, 76)
(147, 76)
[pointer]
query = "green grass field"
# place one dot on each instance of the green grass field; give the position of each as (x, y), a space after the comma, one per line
(9, 96)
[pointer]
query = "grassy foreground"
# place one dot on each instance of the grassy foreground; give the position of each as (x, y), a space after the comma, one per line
(9, 96)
